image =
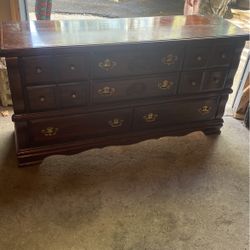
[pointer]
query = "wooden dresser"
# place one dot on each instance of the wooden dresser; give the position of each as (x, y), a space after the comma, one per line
(90, 83)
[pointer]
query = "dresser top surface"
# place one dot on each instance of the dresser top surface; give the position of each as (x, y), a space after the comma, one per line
(67, 33)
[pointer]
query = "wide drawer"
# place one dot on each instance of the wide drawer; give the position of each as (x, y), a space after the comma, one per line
(110, 91)
(48, 69)
(73, 127)
(174, 113)
(143, 60)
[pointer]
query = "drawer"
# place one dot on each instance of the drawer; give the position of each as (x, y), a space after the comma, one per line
(38, 69)
(191, 82)
(222, 55)
(197, 57)
(111, 91)
(201, 81)
(41, 97)
(174, 113)
(124, 62)
(72, 94)
(214, 80)
(72, 67)
(208, 55)
(59, 129)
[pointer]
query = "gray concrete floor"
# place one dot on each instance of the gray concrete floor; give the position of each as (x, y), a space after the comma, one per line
(174, 193)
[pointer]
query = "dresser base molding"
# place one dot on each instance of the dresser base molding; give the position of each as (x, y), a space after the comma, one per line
(35, 155)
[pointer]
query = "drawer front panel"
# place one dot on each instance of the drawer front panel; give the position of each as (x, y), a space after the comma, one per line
(41, 97)
(72, 94)
(159, 59)
(222, 55)
(197, 57)
(174, 113)
(201, 81)
(111, 91)
(214, 80)
(208, 55)
(38, 69)
(80, 126)
(72, 67)
(191, 82)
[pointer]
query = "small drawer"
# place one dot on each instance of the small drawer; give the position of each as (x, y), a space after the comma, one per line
(197, 57)
(112, 91)
(214, 80)
(58, 129)
(221, 55)
(122, 62)
(191, 82)
(174, 113)
(41, 97)
(72, 67)
(38, 69)
(72, 94)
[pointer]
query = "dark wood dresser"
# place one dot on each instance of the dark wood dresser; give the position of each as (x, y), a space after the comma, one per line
(82, 84)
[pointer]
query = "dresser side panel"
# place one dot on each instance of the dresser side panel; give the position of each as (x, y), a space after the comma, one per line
(15, 85)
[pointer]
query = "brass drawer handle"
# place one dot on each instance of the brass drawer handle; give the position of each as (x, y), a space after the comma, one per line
(38, 70)
(169, 59)
(150, 117)
(165, 85)
(205, 109)
(49, 131)
(107, 64)
(116, 122)
(106, 91)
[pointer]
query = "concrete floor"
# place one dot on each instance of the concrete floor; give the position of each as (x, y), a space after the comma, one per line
(175, 193)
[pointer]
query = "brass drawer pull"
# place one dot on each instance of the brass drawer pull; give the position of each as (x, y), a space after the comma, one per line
(165, 85)
(73, 96)
(106, 91)
(169, 59)
(38, 70)
(116, 122)
(49, 131)
(205, 110)
(107, 64)
(150, 117)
